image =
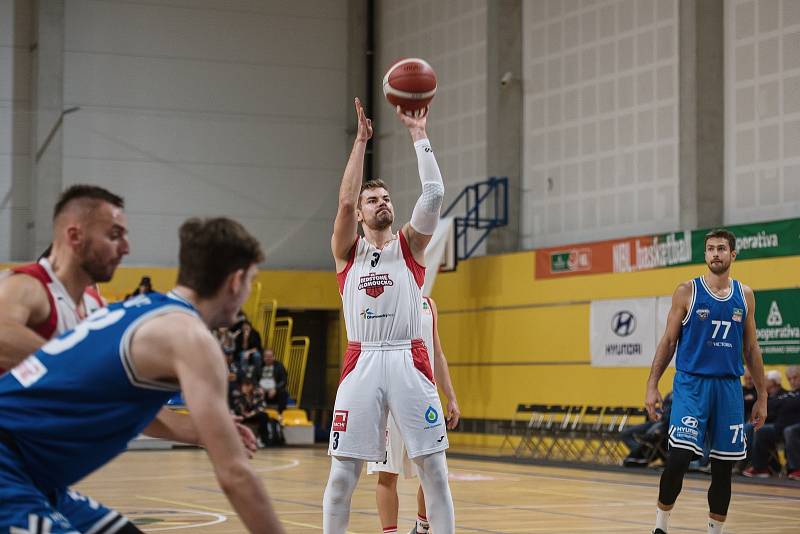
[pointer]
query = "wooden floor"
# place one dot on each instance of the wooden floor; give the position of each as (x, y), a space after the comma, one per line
(176, 490)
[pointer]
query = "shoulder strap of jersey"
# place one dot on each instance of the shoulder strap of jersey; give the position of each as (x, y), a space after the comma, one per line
(34, 270)
(341, 277)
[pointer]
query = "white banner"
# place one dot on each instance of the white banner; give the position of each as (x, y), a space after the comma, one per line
(622, 332)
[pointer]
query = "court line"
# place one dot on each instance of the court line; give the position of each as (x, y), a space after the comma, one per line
(606, 482)
(228, 512)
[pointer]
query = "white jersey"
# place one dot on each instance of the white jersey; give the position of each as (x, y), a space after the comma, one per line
(381, 290)
(64, 314)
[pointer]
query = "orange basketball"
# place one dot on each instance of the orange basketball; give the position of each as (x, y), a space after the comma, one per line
(410, 83)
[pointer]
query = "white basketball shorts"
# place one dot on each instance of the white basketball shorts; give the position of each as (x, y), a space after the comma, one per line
(379, 378)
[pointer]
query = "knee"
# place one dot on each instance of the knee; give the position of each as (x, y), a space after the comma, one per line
(678, 462)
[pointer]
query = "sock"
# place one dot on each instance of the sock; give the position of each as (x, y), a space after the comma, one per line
(662, 519)
(715, 527)
(422, 525)
(390, 530)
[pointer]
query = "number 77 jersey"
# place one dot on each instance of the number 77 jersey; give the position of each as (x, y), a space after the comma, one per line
(712, 332)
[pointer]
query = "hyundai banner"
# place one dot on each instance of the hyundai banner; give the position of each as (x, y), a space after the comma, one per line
(623, 332)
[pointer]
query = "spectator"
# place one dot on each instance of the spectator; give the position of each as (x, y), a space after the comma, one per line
(273, 381)
(145, 286)
(643, 440)
(748, 392)
(774, 387)
(249, 404)
(785, 426)
(248, 348)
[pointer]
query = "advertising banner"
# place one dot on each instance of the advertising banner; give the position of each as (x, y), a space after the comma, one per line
(622, 332)
(778, 325)
(760, 240)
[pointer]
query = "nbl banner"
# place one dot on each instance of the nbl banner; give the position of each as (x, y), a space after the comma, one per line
(759, 240)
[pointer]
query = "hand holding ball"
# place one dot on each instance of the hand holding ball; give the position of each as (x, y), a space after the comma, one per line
(410, 84)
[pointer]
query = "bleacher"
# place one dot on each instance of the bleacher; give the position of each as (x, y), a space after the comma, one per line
(570, 432)
(292, 352)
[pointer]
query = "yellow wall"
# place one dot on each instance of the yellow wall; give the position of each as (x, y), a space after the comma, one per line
(494, 315)
(509, 338)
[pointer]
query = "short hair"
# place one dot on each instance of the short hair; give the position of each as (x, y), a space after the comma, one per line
(371, 184)
(723, 233)
(84, 191)
(211, 249)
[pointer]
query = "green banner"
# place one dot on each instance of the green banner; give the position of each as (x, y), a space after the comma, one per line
(778, 325)
(757, 240)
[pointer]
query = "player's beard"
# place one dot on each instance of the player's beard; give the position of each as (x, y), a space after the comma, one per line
(381, 221)
(718, 268)
(97, 269)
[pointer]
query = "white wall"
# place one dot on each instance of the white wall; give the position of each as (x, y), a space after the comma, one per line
(451, 36)
(762, 143)
(15, 72)
(211, 107)
(601, 119)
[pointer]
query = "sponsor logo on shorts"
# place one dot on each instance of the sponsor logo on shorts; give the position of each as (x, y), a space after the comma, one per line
(440, 439)
(369, 313)
(431, 415)
(703, 313)
(340, 421)
(373, 284)
(689, 421)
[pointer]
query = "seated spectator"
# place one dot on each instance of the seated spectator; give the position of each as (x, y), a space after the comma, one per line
(774, 387)
(273, 381)
(749, 393)
(248, 348)
(643, 439)
(783, 426)
(145, 286)
(249, 404)
(226, 340)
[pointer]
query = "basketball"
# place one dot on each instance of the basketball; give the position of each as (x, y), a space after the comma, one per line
(410, 83)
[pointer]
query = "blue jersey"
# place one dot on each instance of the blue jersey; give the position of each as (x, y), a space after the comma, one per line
(76, 403)
(711, 336)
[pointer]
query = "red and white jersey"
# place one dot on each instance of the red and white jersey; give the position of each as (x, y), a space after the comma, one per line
(381, 292)
(64, 314)
(428, 326)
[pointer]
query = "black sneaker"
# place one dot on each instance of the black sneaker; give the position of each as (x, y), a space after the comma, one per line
(658, 531)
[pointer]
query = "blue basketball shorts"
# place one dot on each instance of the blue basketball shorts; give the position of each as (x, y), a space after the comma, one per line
(708, 411)
(63, 511)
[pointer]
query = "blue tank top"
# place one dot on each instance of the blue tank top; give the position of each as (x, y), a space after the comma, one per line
(711, 336)
(76, 403)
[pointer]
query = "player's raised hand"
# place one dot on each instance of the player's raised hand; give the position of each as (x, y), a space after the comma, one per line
(364, 124)
(759, 414)
(413, 119)
(653, 402)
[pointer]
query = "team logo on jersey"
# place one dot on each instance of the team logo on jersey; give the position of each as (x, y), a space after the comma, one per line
(737, 315)
(340, 420)
(374, 284)
(703, 313)
(431, 415)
